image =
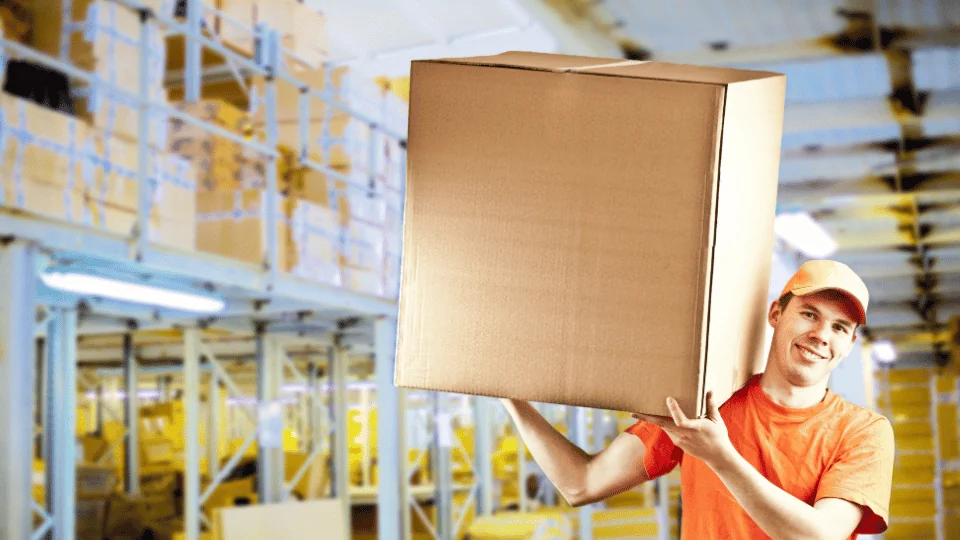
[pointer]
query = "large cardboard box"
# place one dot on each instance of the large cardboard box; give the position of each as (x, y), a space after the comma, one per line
(587, 231)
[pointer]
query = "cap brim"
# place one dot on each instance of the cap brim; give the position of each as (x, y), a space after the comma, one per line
(804, 291)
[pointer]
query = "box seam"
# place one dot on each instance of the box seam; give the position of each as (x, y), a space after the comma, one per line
(713, 257)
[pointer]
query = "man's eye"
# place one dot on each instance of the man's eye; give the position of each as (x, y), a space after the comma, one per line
(840, 328)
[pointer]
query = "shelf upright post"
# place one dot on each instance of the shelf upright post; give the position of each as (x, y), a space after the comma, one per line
(582, 440)
(191, 402)
(213, 425)
(61, 449)
(192, 66)
(132, 418)
(341, 470)
(145, 190)
(18, 296)
(268, 56)
(391, 434)
(443, 473)
(483, 449)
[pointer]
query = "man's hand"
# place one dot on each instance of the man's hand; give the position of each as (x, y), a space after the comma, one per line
(704, 438)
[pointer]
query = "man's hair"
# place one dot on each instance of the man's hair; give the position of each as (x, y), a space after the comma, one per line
(784, 300)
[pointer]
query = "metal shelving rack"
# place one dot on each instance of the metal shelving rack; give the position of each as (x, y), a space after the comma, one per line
(255, 295)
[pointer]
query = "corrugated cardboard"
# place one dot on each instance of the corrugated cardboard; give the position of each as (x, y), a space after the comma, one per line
(594, 232)
(323, 518)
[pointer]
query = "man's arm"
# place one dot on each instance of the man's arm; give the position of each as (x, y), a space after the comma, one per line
(778, 513)
(580, 477)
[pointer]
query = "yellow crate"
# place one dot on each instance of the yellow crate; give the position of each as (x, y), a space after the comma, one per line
(947, 426)
(908, 376)
(913, 476)
(909, 396)
(915, 461)
(946, 384)
(910, 509)
(912, 428)
(624, 523)
(912, 495)
(915, 443)
(910, 531)
(909, 412)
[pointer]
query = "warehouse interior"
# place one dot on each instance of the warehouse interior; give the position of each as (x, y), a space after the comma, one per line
(175, 367)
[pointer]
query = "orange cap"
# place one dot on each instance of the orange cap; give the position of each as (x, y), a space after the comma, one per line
(816, 276)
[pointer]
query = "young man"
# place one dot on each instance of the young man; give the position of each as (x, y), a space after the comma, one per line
(783, 458)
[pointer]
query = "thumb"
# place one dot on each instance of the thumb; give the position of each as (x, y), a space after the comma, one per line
(713, 412)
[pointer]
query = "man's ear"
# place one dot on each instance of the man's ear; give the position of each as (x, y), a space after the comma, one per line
(773, 316)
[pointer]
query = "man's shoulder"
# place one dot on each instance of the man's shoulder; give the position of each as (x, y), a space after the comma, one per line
(860, 420)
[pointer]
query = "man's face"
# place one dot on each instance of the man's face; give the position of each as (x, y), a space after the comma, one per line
(811, 335)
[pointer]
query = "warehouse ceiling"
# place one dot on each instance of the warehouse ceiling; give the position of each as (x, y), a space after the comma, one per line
(871, 144)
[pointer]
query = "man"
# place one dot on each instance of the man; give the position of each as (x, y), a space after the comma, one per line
(783, 458)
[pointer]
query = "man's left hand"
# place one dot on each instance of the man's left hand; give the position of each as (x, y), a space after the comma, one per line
(704, 438)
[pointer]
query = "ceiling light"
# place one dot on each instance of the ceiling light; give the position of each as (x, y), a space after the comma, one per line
(806, 235)
(87, 284)
(884, 352)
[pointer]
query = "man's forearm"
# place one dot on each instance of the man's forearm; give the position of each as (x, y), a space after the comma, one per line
(563, 462)
(778, 513)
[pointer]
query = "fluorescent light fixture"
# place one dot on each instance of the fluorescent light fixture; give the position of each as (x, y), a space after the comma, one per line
(803, 233)
(131, 292)
(884, 352)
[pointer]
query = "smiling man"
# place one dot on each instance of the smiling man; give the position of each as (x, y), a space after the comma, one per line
(783, 458)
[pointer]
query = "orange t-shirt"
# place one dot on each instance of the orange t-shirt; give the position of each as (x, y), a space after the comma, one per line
(833, 449)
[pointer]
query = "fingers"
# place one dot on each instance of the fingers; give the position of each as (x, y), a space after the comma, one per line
(660, 421)
(679, 418)
(713, 412)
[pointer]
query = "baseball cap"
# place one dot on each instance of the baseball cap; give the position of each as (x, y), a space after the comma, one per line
(816, 276)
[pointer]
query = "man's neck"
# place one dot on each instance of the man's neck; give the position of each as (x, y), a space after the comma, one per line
(795, 397)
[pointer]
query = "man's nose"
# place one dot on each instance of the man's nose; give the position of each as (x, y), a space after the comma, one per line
(819, 333)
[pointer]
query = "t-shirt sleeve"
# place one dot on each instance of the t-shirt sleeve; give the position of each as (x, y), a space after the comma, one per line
(863, 474)
(661, 455)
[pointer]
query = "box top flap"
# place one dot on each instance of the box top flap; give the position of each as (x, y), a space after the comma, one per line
(617, 67)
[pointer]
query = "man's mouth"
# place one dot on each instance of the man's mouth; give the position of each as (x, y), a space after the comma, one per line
(810, 355)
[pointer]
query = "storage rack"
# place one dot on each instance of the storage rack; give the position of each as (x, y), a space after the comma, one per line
(261, 300)
(921, 404)
(261, 296)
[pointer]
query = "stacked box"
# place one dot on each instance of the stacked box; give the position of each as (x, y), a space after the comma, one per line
(174, 196)
(308, 235)
(103, 37)
(17, 17)
(110, 174)
(314, 246)
(41, 156)
(216, 158)
(303, 30)
(232, 224)
(91, 518)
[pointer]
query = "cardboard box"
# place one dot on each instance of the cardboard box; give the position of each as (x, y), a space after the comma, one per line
(600, 230)
(283, 520)
(309, 185)
(231, 223)
(91, 518)
(303, 30)
(102, 37)
(314, 247)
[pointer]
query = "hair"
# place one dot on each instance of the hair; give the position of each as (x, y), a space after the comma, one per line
(785, 300)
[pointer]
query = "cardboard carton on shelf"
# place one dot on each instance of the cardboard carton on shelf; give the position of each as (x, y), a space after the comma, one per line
(302, 29)
(233, 224)
(314, 247)
(607, 247)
